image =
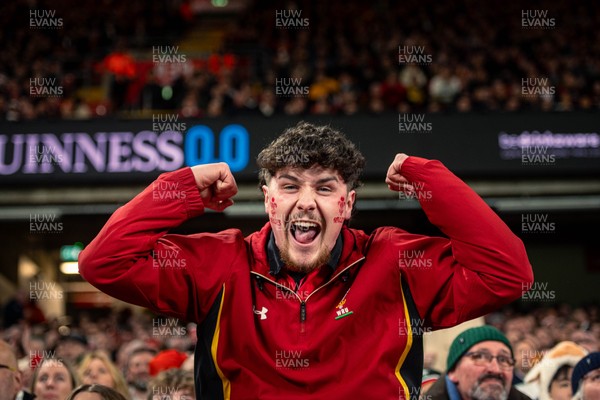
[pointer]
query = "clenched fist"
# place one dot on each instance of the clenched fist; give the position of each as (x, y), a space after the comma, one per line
(216, 184)
(394, 179)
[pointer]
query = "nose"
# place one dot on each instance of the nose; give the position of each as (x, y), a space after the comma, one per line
(306, 200)
(493, 366)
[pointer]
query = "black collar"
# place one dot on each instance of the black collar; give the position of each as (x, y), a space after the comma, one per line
(276, 263)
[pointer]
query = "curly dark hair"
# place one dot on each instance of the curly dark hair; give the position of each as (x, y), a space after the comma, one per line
(305, 145)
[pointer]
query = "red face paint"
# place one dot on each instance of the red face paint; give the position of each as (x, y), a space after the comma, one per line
(274, 220)
(342, 207)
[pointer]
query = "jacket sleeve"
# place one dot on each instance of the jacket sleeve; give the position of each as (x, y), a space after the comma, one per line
(134, 259)
(479, 268)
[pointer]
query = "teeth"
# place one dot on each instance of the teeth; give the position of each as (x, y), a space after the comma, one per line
(306, 225)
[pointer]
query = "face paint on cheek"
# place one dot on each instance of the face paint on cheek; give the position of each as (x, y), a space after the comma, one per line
(341, 208)
(273, 213)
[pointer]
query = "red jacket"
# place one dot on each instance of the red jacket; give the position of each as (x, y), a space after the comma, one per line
(354, 333)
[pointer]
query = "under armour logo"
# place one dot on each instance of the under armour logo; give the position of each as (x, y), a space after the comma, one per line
(262, 312)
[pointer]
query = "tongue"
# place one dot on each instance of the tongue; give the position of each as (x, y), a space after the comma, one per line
(305, 236)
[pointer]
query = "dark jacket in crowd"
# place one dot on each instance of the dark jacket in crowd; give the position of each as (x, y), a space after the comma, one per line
(439, 391)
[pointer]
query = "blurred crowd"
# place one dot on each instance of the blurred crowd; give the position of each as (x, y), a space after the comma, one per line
(141, 356)
(52, 50)
(302, 57)
(137, 353)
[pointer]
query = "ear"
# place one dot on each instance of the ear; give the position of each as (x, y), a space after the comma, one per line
(452, 376)
(265, 190)
(18, 380)
(349, 203)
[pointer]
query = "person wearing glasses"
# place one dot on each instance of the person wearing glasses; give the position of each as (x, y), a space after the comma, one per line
(586, 378)
(10, 376)
(480, 366)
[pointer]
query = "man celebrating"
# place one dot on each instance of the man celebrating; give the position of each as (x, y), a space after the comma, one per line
(480, 367)
(307, 307)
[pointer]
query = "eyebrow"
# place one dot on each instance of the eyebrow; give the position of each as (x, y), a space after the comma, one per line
(319, 182)
(500, 352)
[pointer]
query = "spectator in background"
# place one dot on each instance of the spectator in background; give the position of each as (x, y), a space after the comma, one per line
(53, 379)
(137, 373)
(104, 393)
(430, 377)
(414, 80)
(72, 347)
(392, 91)
(13, 311)
(21, 308)
(586, 340)
(550, 379)
(527, 354)
(182, 380)
(479, 366)
(165, 360)
(444, 86)
(96, 367)
(120, 69)
(10, 377)
(376, 104)
(586, 378)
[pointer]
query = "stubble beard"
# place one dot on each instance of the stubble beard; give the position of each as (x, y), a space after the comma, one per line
(489, 392)
(322, 258)
(323, 254)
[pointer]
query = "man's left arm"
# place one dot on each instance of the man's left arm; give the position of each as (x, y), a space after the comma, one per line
(482, 266)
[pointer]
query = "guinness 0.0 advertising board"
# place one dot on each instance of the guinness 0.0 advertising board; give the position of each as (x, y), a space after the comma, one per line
(126, 151)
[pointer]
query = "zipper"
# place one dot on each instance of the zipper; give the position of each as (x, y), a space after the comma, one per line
(302, 316)
(303, 302)
(277, 284)
(334, 278)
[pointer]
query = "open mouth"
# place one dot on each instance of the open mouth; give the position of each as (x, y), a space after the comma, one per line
(304, 232)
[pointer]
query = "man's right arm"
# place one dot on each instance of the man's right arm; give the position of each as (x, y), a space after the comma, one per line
(135, 260)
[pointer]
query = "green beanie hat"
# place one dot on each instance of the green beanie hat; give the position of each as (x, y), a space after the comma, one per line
(471, 337)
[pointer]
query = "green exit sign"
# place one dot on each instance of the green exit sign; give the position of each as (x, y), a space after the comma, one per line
(71, 252)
